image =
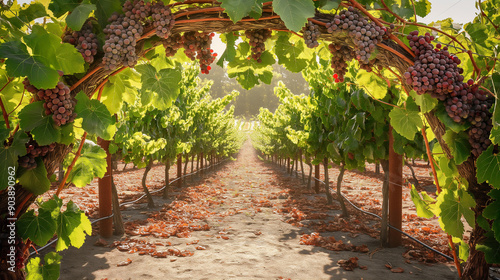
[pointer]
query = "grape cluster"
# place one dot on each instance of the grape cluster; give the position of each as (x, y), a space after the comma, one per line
(162, 19)
(84, 40)
(197, 46)
(33, 151)
(58, 102)
(257, 39)
(340, 56)
(311, 34)
(172, 44)
(122, 34)
(436, 72)
(364, 35)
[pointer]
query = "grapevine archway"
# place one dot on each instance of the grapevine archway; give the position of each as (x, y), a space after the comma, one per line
(155, 26)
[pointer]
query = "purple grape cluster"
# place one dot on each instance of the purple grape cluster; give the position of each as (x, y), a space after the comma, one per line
(364, 35)
(172, 44)
(34, 150)
(257, 38)
(436, 72)
(311, 34)
(58, 102)
(197, 46)
(163, 20)
(84, 40)
(122, 34)
(340, 55)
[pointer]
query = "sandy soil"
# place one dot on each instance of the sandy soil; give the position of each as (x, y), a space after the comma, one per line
(255, 216)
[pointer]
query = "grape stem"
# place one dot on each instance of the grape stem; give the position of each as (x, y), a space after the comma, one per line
(22, 97)
(4, 111)
(21, 205)
(219, 19)
(414, 10)
(70, 167)
(434, 174)
(103, 83)
(90, 73)
(384, 46)
(199, 11)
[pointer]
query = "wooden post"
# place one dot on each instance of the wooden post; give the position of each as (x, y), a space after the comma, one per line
(316, 182)
(395, 193)
(105, 194)
(179, 170)
(201, 163)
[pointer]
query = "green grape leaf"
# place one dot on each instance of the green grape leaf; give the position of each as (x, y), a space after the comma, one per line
(495, 135)
(458, 144)
(422, 7)
(294, 13)
(35, 180)
(450, 207)
(246, 79)
(32, 12)
(331, 4)
(266, 77)
(423, 204)
(8, 158)
(60, 7)
(492, 212)
(67, 134)
(90, 164)
(237, 9)
(43, 129)
(478, 33)
(105, 8)
(288, 53)
(488, 167)
(48, 271)
(425, 101)
(375, 86)
(463, 250)
(47, 48)
(490, 247)
(72, 225)
(20, 63)
(230, 51)
(39, 229)
(79, 15)
(405, 122)
(4, 132)
(120, 88)
(163, 85)
(96, 117)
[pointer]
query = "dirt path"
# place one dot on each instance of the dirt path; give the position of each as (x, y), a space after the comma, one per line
(253, 226)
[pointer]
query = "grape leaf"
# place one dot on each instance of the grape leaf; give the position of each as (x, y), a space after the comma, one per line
(48, 271)
(60, 7)
(38, 228)
(79, 15)
(20, 63)
(488, 167)
(90, 164)
(288, 53)
(294, 13)
(405, 122)
(118, 89)
(450, 207)
(458, 144)
(47, 48)
(9, 156)
(374, 85)
(247, 79)
(72, 225)
(425, 101)
(447, 121)
(4, 132)
(33, 11)
(104, 10)
(43, 129)
(331, 4)
(230, 51)
(495, 135)
(237, 9)
(490, 247)
(423, 204)
(423, 7)
(35, 180)
(492, 212)
(162, 86)
(96, 117)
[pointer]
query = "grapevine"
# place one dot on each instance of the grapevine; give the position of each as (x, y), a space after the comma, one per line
(436, 72)
(257, 39)
(84, 40)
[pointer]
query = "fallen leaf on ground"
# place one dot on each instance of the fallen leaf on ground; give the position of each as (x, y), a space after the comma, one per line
(397, 270)
(124, 263)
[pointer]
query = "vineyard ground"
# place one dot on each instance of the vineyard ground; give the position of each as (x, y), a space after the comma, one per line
(257, 216)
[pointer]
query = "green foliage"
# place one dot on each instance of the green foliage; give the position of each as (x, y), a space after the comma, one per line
(79, 15)
(488, 164)
(159, 88)
(96, 117)
(423, 203)
(451, 206)
(492, 212)
(405, 122)
(90, 164)
(50, 270)
(42, 127)
(237, 9)
(9, 156)
(459, 145)
(294, 12)
(35, 180)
